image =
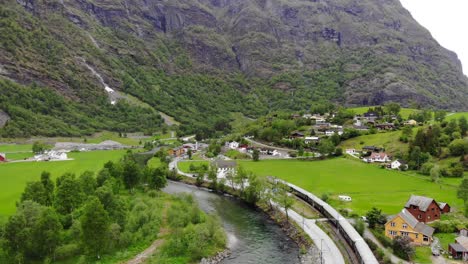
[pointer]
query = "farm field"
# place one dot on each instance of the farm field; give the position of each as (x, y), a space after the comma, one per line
(184, 166)
(14, 176)
(8, 148)
(367, 184)
(405, 112)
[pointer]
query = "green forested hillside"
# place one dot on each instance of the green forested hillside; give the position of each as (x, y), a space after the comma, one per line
(200, 60)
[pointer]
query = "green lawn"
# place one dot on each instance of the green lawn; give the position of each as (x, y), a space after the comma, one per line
(405, 112)
(389, 140)
(19, 155)
(14, 176)
(367, 184)
(184, 166)
(451, 116)
(423, 255)
(446, 239)
(154, 162)
(7, 148)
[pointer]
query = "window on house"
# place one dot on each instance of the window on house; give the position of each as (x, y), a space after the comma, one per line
(419, 216)
(393, 233)
(392, 224)
(404, 233)
(417, 235)
(426, 238)
(405, 226)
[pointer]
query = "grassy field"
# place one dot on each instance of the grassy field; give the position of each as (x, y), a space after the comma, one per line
(367, 184)
(154, 162)
(14, 176)
(389, 140)
(8, 148)
(451, 116)
(405, 112)
(446, 239)
(423, 255)
(184, 166)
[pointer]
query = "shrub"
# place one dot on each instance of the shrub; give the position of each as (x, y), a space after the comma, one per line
(67, 251)
(324, 197)
(360, 226)
(385, 241)
(402, 247)
(371, 244)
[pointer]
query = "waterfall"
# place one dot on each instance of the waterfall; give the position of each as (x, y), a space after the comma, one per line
(113, 95)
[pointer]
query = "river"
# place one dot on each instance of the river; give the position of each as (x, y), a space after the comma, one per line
(252, 236)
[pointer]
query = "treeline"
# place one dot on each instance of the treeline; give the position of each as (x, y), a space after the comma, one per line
(85, 217)
(37, 111)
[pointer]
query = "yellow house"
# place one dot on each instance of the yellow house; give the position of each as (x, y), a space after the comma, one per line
(405, 224)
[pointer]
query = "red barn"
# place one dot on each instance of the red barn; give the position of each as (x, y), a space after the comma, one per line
(3, 157)
(424, 209)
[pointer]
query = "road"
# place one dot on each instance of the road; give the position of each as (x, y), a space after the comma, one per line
(330, 252)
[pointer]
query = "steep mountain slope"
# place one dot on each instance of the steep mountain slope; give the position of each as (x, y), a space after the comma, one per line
(198, 60)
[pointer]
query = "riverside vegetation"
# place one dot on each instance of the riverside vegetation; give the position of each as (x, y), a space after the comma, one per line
(107, 218)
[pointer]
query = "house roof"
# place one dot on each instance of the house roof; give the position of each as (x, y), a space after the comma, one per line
(457, 247)
(400, 161)
(419, 201)
(376, 155)
(442, 205)
(415, 224)
(225, 164)
(463, 241)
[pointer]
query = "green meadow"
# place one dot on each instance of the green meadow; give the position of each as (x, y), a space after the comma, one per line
(451, 116)
(389, 140)
(404, 112)
(14, 176)
(367, 184)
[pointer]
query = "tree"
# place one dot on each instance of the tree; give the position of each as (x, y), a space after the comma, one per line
(283, 198)
(435, 174)
(189, 153)
(240, 178)
(15, 234)
(375, 218)
(49, 187)
(87, 182)
(462, 193)
(326, 147)
(158, 178)
(458, 147)
(392, 108)
(463, 124)
(402, 247)
(256, 155)
(95, 225)
(255, 189)
(131, 174)
(213, 177)
(69, 195)
(439, 116)
(300, 151)
(35, 192)
(46, 233)
(39, 147)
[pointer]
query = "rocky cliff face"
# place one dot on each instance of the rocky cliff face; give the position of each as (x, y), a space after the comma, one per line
(356, 52)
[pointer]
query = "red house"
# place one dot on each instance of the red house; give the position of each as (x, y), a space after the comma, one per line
(444, 208)
(424, 209)
(3, 157)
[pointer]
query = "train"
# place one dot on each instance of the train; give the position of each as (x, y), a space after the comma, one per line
(360, 248)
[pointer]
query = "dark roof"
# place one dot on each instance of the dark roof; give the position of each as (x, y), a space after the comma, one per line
(225, 164)
(457, 247)
(442, 205)
(402, 161)
(415, 224)
(419, 201)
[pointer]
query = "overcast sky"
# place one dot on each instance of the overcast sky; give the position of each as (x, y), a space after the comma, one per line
(447, 20)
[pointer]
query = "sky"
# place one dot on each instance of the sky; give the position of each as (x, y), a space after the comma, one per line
(447, 20)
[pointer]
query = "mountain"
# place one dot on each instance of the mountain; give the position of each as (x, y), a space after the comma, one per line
(200, 60)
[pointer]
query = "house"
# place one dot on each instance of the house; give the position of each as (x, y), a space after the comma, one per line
(370, 149)
(385, 126)
(296, 135)
(331, 132)
(410, 122)
(3, 157)
(176, 152)
(51, 155)
(295, 116)
(405, 224)
(424, 209)
(225, 167)
(463, 232)
(381, 157)
(459, 249)
(309, 140)
(233, 145)
(444, 208)
(398, 164)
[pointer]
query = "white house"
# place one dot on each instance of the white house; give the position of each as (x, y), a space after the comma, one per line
(344, 198)
(309, 140)
(378, 157)
(233, 145)
(398, 164)
(276, 153)
(51, 155)
(225, 167)
(331, 132)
